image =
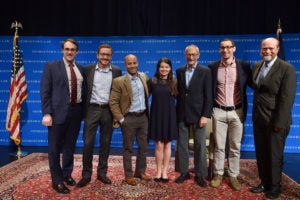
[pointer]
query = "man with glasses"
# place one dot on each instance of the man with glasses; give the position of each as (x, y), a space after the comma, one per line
(61, 98)
(230, 78)
(98, 78)
(194, 105)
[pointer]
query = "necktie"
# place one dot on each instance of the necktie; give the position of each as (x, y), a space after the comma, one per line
(261, 74)
(73, 84)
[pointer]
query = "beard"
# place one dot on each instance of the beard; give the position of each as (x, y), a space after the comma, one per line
(267, 58)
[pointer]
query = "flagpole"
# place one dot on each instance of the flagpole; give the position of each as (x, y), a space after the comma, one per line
(279, 37)
(17, 25)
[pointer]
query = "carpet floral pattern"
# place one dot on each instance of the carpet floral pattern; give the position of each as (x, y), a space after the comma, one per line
(29, 178)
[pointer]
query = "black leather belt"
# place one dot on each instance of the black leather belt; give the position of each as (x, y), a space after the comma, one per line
(136, 114)
(228, 108)
(100, 105)
(74, 104)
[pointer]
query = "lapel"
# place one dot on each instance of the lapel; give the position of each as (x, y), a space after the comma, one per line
(195, 75)
(90, 77)
(181, 74)
(62, 69)
(114, 72)
(214, 71)
(127, 86)
(256, 71)
(272, 71)
(144, 81)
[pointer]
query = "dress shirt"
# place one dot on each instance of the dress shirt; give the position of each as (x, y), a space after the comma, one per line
(189, 74)
(138, 101)
(228, 91)
(101, 85)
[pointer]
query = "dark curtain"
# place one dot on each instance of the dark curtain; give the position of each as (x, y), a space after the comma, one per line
(148, 17)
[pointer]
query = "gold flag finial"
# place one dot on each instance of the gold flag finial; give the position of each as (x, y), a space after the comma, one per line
(279, 30)
(16, 25)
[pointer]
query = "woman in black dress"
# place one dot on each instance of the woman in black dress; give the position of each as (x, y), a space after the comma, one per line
(163, 125)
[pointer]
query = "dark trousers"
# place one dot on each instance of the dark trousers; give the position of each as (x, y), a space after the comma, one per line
(62, 139)
(96, 117)
(269, 148)
(200, 162)
(135, 127)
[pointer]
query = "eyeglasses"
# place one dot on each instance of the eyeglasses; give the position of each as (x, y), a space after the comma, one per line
(68, 49)
(191, 54)
(105, 54)
(226, 47)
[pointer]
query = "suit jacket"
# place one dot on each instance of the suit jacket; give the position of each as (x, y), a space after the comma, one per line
(274, 99)
(55, 94)
(194, 101)
(121, 96)
(244, 79)
(89, 72)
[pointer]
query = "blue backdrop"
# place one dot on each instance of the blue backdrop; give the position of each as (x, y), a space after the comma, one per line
(38, 50)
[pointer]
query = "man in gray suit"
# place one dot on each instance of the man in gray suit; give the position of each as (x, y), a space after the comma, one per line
(98, 78)
(274, 93)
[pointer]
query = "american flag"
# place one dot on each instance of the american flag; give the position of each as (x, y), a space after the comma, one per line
(17, 94)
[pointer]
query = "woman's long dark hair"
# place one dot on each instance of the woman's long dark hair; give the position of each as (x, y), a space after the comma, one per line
(170, 79)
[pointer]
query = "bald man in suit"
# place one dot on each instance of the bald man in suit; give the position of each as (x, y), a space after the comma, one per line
(274, 93)
(129, 106)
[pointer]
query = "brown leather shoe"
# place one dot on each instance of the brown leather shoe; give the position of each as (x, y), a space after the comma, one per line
(142, 176)
(130, 180)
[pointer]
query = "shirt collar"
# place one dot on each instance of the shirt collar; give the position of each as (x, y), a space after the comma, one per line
(192, 68)
(224, 64)
(271, 62)
(133, 77)
(67, 63)
(106, 69)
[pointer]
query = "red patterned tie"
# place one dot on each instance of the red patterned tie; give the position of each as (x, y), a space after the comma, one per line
(73, 84)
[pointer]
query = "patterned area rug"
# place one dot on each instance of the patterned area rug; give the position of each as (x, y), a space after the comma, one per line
(29, 178)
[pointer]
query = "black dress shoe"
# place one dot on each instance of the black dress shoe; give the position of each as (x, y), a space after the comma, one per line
(200, 181)
(70, 181)
(83, 182)
(61, 188)
(164, 180)
(258, 189)
(182, 177)
(104, 179)
(273, 194)
(157, 179)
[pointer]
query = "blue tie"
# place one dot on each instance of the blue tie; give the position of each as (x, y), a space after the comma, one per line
(261, 74)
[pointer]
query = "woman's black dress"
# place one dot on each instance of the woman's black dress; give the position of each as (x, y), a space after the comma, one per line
(163, 123)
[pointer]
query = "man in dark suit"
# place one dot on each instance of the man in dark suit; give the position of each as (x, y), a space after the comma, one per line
(194, 107)
(61, 98)
(129, 105)
(230, 78)
(98, 78)
(274, 93)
